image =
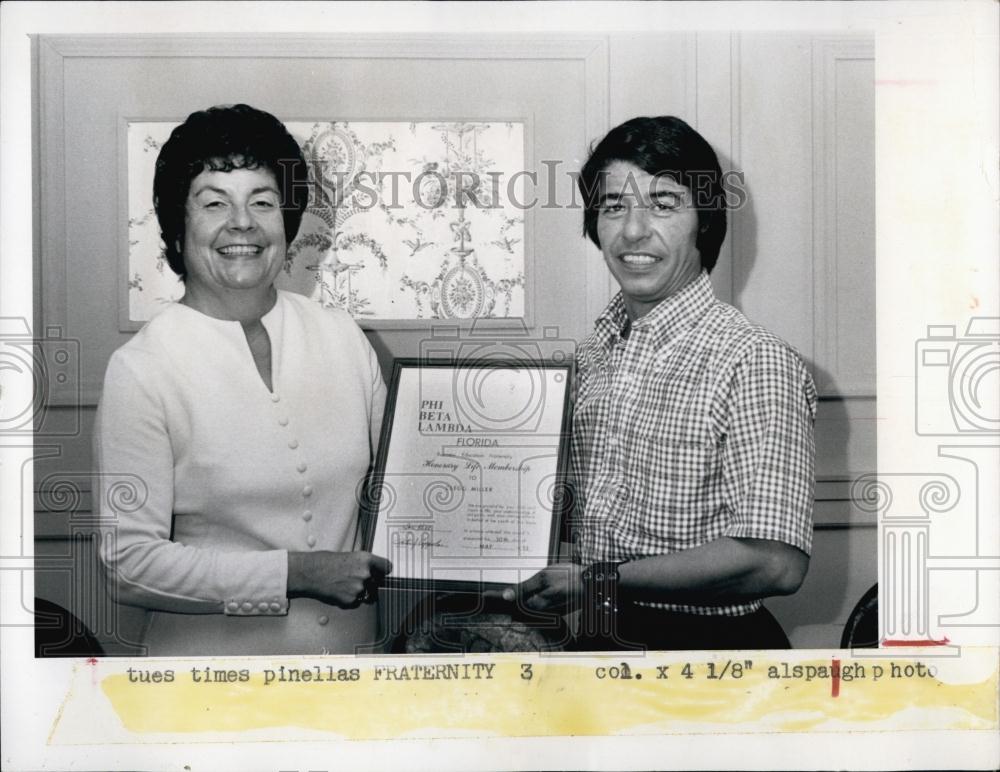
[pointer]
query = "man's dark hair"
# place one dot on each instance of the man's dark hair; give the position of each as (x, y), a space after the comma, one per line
(221, 139)
(662, 146)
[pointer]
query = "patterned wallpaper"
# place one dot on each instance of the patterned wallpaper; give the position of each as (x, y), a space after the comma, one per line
(406, 220)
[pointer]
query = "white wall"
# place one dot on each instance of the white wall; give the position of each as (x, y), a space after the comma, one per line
(795, 113)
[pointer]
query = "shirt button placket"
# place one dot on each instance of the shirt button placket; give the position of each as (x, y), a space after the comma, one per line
(307, 515)
(301, 467)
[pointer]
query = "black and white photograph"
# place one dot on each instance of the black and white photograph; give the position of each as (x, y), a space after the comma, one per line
(712, 453)
(362, 352)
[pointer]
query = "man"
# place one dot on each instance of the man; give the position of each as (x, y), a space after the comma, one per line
(693, 428)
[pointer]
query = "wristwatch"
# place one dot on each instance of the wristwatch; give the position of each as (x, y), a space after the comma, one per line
(600, 599)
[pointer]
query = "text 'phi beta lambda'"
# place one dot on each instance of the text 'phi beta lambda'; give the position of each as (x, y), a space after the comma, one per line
(434, 419)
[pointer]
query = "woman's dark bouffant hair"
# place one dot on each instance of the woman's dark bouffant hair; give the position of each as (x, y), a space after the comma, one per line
(224, 138)
(662, 146)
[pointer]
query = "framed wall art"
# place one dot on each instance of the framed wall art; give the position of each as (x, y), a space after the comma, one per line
(407, 220)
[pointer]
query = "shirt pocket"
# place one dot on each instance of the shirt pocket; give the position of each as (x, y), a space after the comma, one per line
(675, 408)
(675, 493)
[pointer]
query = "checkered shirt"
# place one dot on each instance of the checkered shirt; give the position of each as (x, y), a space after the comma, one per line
(695, 426)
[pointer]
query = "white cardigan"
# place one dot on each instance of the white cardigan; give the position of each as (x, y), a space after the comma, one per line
(228, 476)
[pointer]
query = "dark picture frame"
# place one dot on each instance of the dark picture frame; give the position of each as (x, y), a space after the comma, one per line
(472, 449)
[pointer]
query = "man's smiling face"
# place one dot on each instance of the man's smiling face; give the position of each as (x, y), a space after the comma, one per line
(647, 228)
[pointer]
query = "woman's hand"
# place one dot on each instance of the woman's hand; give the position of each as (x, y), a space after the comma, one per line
(344, 579)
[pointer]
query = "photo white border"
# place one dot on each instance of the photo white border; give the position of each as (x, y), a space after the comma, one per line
(912, 42)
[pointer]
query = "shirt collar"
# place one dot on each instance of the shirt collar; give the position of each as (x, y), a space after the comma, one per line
(672, 316)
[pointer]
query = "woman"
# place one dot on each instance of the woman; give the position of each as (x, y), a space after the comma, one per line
(244, 416)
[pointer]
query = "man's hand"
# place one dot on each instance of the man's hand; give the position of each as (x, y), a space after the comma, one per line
(344, 579)
(555, 588)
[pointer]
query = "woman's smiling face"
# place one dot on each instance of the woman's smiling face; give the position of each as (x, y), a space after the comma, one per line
(234, 237)
(647, 228)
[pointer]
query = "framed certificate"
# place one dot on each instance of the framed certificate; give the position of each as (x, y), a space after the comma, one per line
(470, 478)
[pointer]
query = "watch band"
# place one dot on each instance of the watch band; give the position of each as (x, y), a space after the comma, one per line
(600, 599)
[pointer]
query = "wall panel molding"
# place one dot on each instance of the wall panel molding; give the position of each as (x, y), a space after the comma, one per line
(51, 146)
(57, 55)
(839, 200)
(716, 112)
(736, 256)
(285, 46)
(691, 83)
